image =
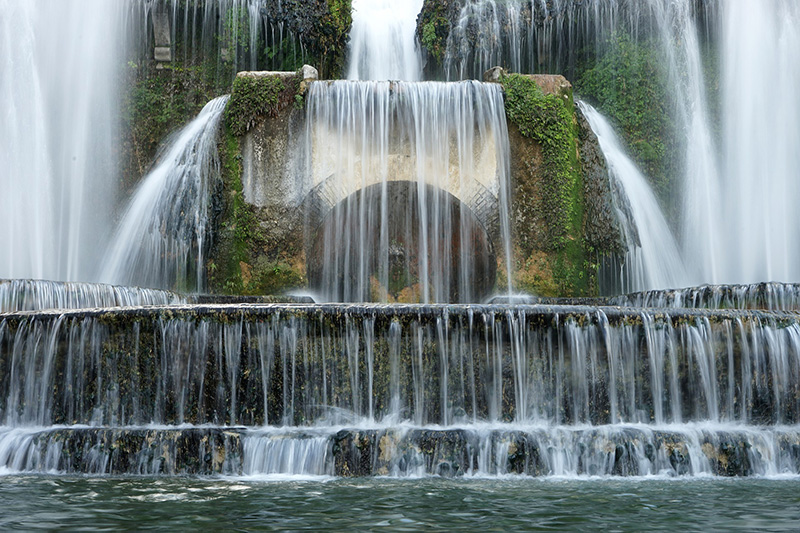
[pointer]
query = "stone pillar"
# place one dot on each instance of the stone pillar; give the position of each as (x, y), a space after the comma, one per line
(161, 36)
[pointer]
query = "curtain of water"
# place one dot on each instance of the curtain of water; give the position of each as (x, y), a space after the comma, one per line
(58, 66)
(739, 182)
(410, 183)
(653, 260)
(229, 35)
(760, 84)
(453, 365)
(30, 295)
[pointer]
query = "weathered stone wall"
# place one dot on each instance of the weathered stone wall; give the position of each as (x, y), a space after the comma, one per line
(259, 222)
(562, 215)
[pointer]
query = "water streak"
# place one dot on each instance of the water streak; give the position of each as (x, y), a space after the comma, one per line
(57, 84)
(333, 365)
(162, 239)
(34, 295)
(383, 44)
(653, 260)
(409, 190)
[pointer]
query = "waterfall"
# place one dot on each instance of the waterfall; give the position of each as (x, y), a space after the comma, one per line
(162, 239)
(482, 390)
(458, 365)
(34, 295)
(653, 260)
(736, 179)
(57, 129)
(778, 296)
(759, 225)
(409, 190)
(232, 35)
(383, 40)
(530, 36)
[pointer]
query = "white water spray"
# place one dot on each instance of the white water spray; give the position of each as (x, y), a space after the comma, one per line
(161, 241)
(383, 40)
(757, 207)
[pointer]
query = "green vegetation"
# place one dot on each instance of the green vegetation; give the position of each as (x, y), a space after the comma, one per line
(157, 103)
(288, 52)
(255, 97)
(549, 119)
(236, 29)
(342, 13)
(434, 27)
(629, 83)
(332, 37)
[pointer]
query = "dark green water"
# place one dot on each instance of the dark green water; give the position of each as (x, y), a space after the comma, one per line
(92, 504)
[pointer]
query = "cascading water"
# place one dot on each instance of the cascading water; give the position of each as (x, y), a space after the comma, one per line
(530, 35)
(778, 296)
(409, 200)
(30, 295)
(737, 179)
(410, 181)
(383, 40)
(232, 35)
(58, 91)
(653, 260)
(759, 227)
(163, 236)
(484, 389)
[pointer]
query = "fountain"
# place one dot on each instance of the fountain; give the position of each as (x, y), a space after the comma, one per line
(402, 206)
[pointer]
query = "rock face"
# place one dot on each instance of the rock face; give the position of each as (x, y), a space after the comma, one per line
(562, 212)
(257, 247)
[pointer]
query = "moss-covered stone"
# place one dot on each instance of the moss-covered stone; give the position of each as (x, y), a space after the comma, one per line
(547, 196)
(322, 26)
(246, 258)
(257, 95)
(154, 104)
(433, 26)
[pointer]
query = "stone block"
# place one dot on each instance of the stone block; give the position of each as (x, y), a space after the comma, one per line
(163, 54)
(161, 33)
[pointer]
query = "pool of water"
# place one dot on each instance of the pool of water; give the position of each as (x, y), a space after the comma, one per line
(96, 504)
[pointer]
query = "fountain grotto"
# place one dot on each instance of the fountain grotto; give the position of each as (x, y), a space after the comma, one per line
(409, 272)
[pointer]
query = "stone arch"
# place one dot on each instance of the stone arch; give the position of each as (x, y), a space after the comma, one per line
(400, 240)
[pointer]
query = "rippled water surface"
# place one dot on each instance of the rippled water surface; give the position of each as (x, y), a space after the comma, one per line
(31, 502)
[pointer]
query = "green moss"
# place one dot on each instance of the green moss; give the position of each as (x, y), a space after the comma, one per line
(549, 119)
(274, 277)
(256, 97)
(237, 24)
(290, 54)
(434, 28)
(628, 82)
(225, 273)
(342, 14)
(239, 265)
(157, 103)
